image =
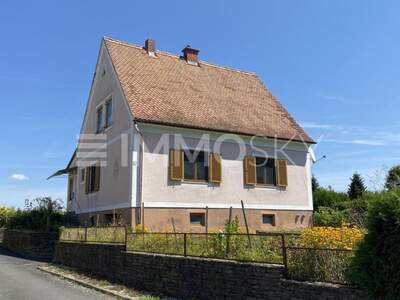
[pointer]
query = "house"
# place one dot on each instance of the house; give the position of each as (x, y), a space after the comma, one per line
(178, 144)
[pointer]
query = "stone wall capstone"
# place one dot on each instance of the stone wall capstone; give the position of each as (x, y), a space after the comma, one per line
(193, 278)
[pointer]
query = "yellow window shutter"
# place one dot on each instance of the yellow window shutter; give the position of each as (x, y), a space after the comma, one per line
(176, 164)
(97, 178)
(281, 174)
(250, 170)
(87, 179)
(215, 169)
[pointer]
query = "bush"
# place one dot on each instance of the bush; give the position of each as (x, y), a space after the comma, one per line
(314, 261)
(5, 214)
(328, 198)
(327, 216)
(377, 262)
(331, 237)
(40, 214)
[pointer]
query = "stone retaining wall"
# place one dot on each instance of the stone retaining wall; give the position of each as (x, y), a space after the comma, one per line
(193, 278)
(37, 245)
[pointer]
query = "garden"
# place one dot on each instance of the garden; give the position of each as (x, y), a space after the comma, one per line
(355, 238)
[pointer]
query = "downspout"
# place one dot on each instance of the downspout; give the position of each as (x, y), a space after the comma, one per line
(140, 158)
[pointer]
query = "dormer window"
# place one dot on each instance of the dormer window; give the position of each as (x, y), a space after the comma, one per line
(100, 119)
(108, 113)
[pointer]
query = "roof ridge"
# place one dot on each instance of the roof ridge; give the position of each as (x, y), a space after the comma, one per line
(128, 44)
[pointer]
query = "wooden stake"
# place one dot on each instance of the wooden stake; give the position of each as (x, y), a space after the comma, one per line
(142, 210)
(229, 231)
(206, 220)
(245, 222)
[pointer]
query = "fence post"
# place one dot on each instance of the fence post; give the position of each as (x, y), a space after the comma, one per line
(184, 244)
(85, 234)
(126, 238)
(284, 254)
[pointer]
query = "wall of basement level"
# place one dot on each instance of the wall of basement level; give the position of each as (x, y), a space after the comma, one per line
(193, 278)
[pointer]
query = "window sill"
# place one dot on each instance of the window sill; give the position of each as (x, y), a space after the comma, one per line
(199, 182)
(266, 187)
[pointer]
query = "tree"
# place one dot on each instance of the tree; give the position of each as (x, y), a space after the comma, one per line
(314, 183)
(393, 178)
(356, 187)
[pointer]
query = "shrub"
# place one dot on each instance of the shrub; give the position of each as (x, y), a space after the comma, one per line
(377, 262)
(40, 214)
(6, 213)
(314, 261)
(331, 237)
(328, 198)
(327, 216)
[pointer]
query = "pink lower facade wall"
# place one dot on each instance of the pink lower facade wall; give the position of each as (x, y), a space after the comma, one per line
(178, 219)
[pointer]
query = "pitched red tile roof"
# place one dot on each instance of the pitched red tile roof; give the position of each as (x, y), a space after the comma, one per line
(167, 90)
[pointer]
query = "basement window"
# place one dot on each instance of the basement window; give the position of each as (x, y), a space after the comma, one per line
(197, 219)
(268, 219)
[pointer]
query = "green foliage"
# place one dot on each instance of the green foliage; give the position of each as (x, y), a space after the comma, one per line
(5, 214)
(311, 264)
(314, 184)
(393, 178)
(106, 234)
(328, 217)
(328, 198)
(356, 187)
(377, 262)
(40, 214)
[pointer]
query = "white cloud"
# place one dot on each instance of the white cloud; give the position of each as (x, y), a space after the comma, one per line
(369, 142)
(357, 142)
(314, 125)
(19, 177)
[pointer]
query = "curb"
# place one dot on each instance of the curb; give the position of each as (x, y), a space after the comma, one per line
(87, 285)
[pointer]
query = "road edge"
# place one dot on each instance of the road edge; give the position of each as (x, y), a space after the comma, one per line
(85, 284)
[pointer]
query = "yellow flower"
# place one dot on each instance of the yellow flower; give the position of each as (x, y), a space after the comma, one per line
(331, 237)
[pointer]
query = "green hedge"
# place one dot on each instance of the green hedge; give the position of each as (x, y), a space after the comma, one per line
(376, 266)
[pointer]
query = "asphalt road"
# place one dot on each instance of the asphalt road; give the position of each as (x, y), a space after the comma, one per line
(20, 280)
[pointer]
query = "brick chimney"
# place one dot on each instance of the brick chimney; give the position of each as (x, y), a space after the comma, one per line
(150, 47)
(191, 55)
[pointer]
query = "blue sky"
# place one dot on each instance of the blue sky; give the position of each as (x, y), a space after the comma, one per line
(333, 64)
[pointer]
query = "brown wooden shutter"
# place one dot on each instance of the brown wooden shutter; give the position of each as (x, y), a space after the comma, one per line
(215, 170)
(250, 170)
(281, 173)
(97, 178)
(87, 179)
(176, 164)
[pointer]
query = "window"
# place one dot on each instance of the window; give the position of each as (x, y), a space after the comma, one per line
(195, 165)
(108, 113)
(197, 219)
(268, 219)
(82, 175)
(71, 188)
(265, 171)
(92, 179)
(100, 120)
